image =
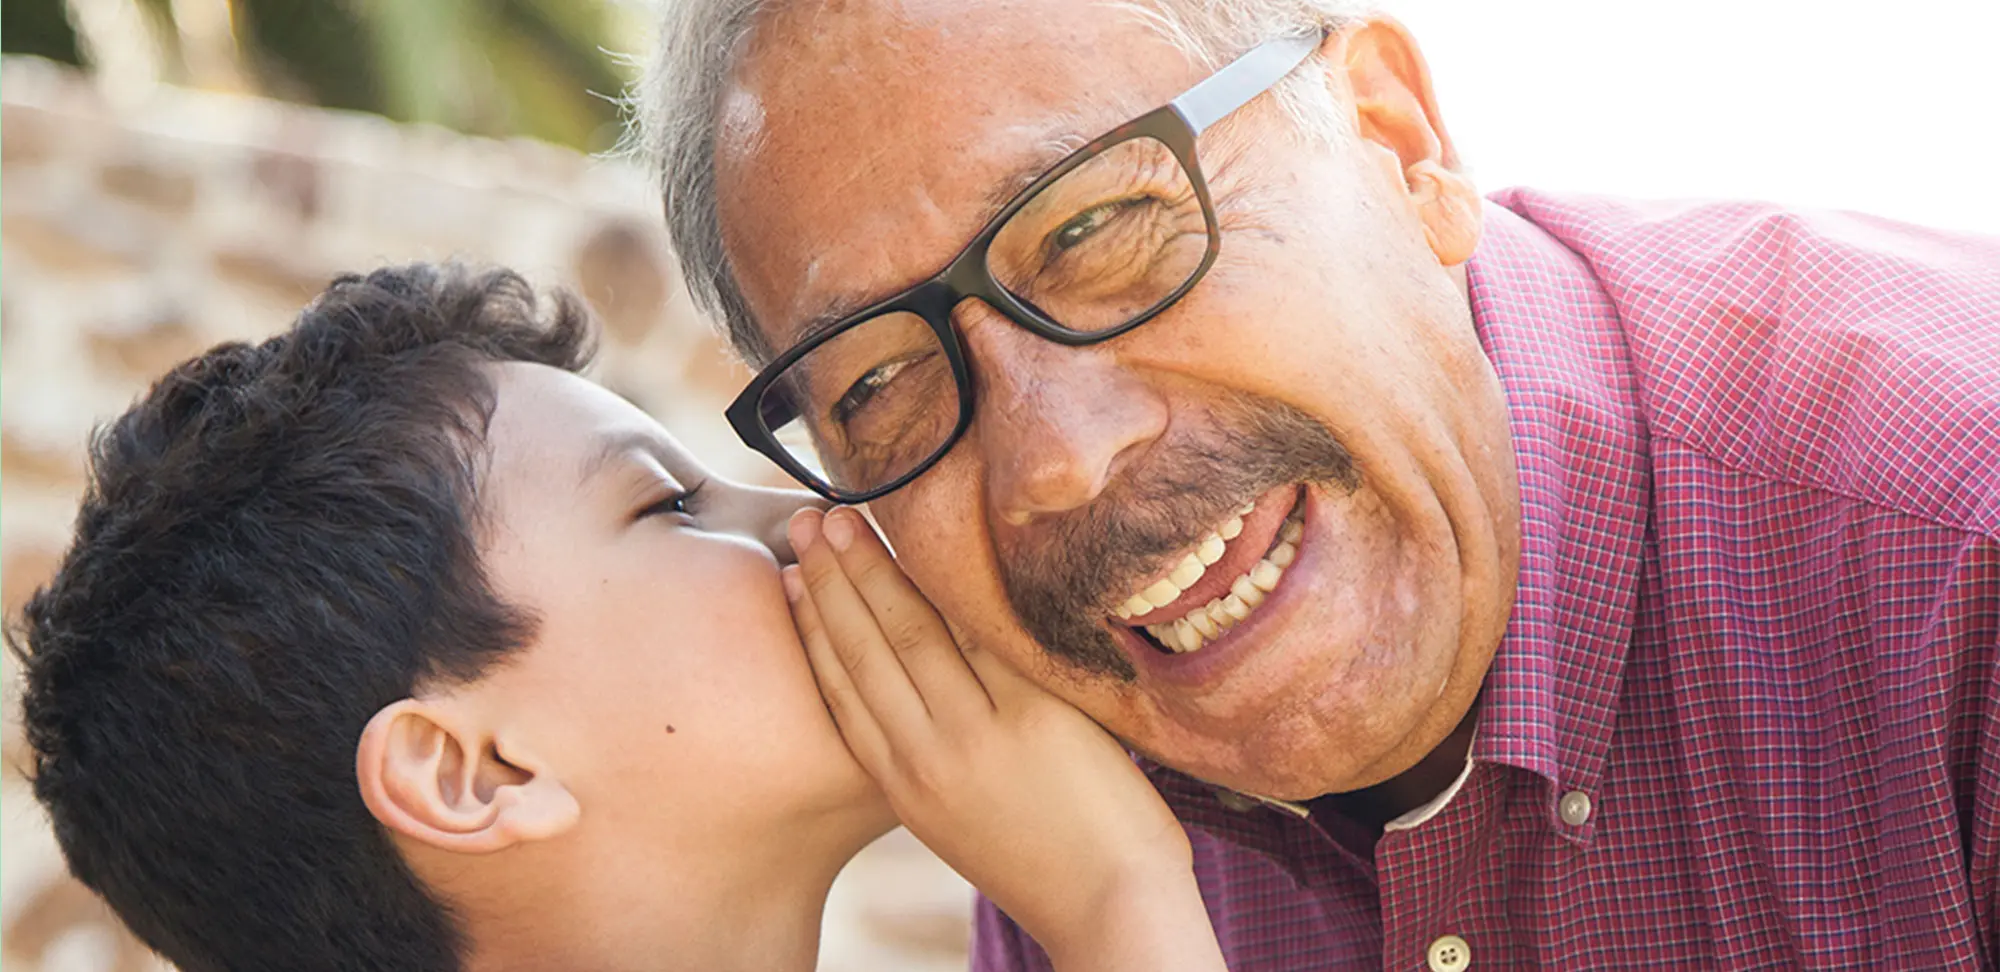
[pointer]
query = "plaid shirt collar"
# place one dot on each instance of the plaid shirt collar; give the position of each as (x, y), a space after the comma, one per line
(1550, 700)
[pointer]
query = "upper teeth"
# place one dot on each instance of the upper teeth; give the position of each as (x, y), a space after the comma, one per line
(1164, 591)
(1207, 622)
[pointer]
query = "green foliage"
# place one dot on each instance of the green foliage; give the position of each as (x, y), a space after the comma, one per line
(490, 67)
(38, 27)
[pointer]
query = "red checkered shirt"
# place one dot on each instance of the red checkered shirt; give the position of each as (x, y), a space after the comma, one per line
(1747, 711)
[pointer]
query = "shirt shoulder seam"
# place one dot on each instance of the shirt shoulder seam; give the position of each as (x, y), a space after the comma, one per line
(1750, 469)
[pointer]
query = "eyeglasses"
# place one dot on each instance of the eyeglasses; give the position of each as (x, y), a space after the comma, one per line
(1094, 247)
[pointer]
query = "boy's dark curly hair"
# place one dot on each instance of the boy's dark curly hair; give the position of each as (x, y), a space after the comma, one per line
(277, 540)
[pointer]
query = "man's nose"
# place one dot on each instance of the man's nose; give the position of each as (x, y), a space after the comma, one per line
(1055, 424)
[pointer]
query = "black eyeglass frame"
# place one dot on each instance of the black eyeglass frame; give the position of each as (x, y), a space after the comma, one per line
(1175, 124)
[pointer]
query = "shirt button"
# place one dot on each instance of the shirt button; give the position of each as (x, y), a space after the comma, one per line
(1450, 954)
(1574, 808)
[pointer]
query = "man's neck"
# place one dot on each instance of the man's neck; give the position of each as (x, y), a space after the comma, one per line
(1374, 806)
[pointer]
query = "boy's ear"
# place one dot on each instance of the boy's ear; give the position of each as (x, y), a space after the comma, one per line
(430, 772)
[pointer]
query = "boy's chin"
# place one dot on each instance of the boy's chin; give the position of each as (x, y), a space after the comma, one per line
(869, 808)
(842, 803)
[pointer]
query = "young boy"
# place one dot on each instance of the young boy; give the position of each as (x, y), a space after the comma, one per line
(391, 643)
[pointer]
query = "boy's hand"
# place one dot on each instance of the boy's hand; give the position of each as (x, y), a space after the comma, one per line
(1019, 791)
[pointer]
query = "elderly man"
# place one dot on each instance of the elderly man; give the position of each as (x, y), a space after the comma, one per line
(1540, 581)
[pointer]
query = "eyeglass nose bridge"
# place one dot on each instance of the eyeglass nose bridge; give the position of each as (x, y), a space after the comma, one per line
(965, 311)
(967, 278)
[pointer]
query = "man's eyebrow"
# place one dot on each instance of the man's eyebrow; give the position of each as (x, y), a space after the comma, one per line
(611, 448)
(1058, 144)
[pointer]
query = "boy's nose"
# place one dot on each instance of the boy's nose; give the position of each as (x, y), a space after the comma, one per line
(767, 511)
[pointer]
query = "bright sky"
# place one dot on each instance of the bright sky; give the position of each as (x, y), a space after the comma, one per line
(1887, 108)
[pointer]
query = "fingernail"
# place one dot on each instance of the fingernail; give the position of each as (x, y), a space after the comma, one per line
(839, 529)
(795, 586)
(801, 530)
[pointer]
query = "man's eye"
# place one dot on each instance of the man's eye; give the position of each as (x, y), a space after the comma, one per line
(861, 392)
(1085, 224)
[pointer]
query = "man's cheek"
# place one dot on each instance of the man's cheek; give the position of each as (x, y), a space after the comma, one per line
(968, 593)
(901, 526)
(943, 561)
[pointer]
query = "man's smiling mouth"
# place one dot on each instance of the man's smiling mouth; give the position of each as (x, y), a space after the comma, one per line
(1223, 579)
(1068, 580)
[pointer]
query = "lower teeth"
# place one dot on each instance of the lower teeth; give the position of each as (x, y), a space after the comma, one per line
(1210, 621)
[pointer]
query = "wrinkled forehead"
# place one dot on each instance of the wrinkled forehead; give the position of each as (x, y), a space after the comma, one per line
(862, 144)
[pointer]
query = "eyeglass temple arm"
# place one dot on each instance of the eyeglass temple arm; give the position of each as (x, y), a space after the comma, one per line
(1245, 78)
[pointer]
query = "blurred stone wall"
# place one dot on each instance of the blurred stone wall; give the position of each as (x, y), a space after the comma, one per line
(134, 236)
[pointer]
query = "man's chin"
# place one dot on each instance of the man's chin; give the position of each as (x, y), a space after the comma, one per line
(1297, 751)
(1259, 776)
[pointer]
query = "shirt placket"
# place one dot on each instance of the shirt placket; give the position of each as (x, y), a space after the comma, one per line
(1422, 874)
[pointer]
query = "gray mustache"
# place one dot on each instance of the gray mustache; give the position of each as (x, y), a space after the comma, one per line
(1062, 588)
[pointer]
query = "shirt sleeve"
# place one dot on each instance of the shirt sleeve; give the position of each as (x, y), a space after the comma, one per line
(1983, 830)
(999, 945)
(1980, 805)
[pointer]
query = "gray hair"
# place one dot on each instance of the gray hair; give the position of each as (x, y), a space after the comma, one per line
(677, 109)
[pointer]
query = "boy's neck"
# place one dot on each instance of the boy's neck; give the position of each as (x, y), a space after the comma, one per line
(756, 905)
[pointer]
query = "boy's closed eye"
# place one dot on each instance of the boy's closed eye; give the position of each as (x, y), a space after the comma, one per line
(678, 502)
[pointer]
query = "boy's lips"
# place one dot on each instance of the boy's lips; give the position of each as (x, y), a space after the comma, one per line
(1222, 579)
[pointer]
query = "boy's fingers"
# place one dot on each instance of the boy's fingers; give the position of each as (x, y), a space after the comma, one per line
(856, 641)
(850, 714)
(1003, 682)
(906, 619)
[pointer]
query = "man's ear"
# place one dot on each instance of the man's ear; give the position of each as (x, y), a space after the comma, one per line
(1396, 110)
(429, 772)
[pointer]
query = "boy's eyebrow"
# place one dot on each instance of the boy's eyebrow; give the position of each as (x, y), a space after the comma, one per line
(615, 446)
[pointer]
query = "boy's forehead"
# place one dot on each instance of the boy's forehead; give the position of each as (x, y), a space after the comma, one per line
(539, 399)
(552, 428)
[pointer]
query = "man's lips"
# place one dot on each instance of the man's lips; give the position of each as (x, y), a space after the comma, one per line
(1260, 532)
(1175, 672)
